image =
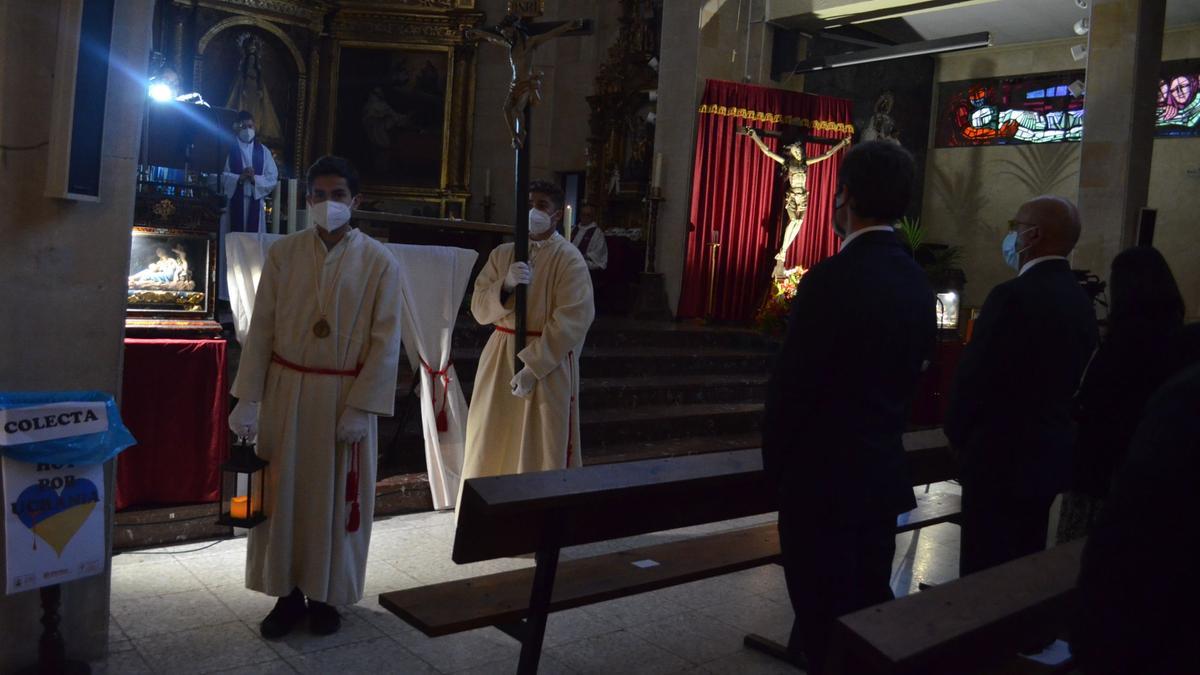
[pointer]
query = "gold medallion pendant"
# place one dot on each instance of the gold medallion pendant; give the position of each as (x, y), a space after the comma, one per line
(321, 329)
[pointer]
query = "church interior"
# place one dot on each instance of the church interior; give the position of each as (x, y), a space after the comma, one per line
(653, 309)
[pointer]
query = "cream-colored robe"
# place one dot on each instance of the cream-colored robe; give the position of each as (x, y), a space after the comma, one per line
(507, 434)
(304, 542)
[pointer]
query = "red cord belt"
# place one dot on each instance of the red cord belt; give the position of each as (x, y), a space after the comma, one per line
(509, 331)
(275, 358)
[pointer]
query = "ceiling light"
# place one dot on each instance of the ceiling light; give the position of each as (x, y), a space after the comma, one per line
(1079, 52)
(1081, 4)
(950, 44)
(1082, 26)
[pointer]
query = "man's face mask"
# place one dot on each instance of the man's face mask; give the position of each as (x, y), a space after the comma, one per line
(839, 202)
(329, 215)
(1011, 248)
(246, 135)
(540, 222)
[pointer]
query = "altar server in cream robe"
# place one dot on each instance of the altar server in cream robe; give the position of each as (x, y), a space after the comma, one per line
(250, 175)
(528, 420)
(318, 364)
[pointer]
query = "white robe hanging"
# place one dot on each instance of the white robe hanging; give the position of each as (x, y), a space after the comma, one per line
(304, 542)
(433, 280)
(507, 434)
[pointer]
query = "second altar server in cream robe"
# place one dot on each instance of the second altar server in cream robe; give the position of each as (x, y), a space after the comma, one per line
(528, 420)
(320, 359)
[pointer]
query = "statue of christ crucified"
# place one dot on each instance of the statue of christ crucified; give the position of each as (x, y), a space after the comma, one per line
(795, 202)
(526, 87)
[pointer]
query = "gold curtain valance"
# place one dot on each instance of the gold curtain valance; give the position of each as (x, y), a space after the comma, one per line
(759, 116)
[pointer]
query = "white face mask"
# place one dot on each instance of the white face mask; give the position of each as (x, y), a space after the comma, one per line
(328, 215)
(246, 135)
(540, 222)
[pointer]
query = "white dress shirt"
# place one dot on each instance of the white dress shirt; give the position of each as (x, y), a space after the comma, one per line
(857, 233)
(1026, 267)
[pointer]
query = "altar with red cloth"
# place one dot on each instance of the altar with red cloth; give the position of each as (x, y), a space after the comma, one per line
(174, 400)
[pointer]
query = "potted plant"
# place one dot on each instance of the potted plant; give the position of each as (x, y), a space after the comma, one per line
(942, 265)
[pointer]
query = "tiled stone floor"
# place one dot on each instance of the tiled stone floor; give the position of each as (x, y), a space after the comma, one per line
(184, 609)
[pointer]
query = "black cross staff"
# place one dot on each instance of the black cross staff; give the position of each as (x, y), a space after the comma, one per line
(522, 37)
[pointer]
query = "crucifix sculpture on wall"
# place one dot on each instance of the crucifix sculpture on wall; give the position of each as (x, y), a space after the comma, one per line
(521, 35)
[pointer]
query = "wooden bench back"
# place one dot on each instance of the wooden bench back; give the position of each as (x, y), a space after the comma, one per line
(506, 516)
(959, 627)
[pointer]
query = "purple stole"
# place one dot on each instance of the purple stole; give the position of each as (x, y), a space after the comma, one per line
(238, 220)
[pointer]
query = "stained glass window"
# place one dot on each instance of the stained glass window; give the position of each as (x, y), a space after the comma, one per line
(1041, 109)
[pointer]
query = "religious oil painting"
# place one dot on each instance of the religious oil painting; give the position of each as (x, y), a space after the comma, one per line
(391, 114)
(248, 68)
(170, 272)
(1050, 107)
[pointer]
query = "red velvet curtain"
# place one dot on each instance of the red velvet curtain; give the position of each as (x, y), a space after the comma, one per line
(174, 398)
(737, 195)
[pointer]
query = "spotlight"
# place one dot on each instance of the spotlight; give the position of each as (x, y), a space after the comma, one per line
(1076, 88)
(653, 63)
(1079, 52)
(1082, 26)
(651, 117)
(1081, 4)
(161, 92)
(653, 95)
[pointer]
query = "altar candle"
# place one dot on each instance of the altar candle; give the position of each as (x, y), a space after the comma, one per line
(276, 207)
(569, 222)
(656, 174)
(239, 507)
(293, 198)
(487, 182)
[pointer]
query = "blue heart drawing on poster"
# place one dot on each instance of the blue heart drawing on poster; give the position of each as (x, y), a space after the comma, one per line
(56, 516)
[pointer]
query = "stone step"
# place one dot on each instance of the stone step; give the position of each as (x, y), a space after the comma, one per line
(646, 362)
(633, 392)
(603, 429)
(696, 445)
(626, 334)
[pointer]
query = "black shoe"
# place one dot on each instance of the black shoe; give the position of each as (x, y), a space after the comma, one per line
(288, 612)
(323, 619)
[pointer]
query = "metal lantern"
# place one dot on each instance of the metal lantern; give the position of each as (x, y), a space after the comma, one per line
(947, 310)
(243, 487)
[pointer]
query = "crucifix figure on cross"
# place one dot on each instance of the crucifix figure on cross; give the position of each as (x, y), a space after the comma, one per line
(525, 89)
(521, 35)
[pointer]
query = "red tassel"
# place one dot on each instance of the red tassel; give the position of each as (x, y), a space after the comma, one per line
(443, 424)
(352, 521)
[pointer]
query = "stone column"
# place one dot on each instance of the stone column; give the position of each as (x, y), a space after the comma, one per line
(64, 270)
(1124, 54)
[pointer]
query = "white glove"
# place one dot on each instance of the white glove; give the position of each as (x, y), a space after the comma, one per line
(243, 421)
(352, 428)
(523, 383)
(518, 273)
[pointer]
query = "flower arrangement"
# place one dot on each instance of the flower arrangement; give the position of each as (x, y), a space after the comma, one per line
(771, 317)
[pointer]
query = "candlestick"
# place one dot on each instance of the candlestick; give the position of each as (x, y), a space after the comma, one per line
(487, 182)
(293, 198)
(656, 174)
(276, 207)
(569, 222)
(239, 507)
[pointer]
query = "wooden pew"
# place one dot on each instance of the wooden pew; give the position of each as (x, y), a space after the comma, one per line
(508, 516)
(974, 624)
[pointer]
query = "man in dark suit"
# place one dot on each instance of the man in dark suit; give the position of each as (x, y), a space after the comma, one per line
(862, 326)
(1136, 610)
(1010, 416)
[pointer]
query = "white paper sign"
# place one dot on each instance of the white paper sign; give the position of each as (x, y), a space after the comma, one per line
(51, 421)
(54, 523)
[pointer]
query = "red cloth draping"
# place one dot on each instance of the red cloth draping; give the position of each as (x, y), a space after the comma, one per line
(932, 397)
(737, 194)
(174, 400)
